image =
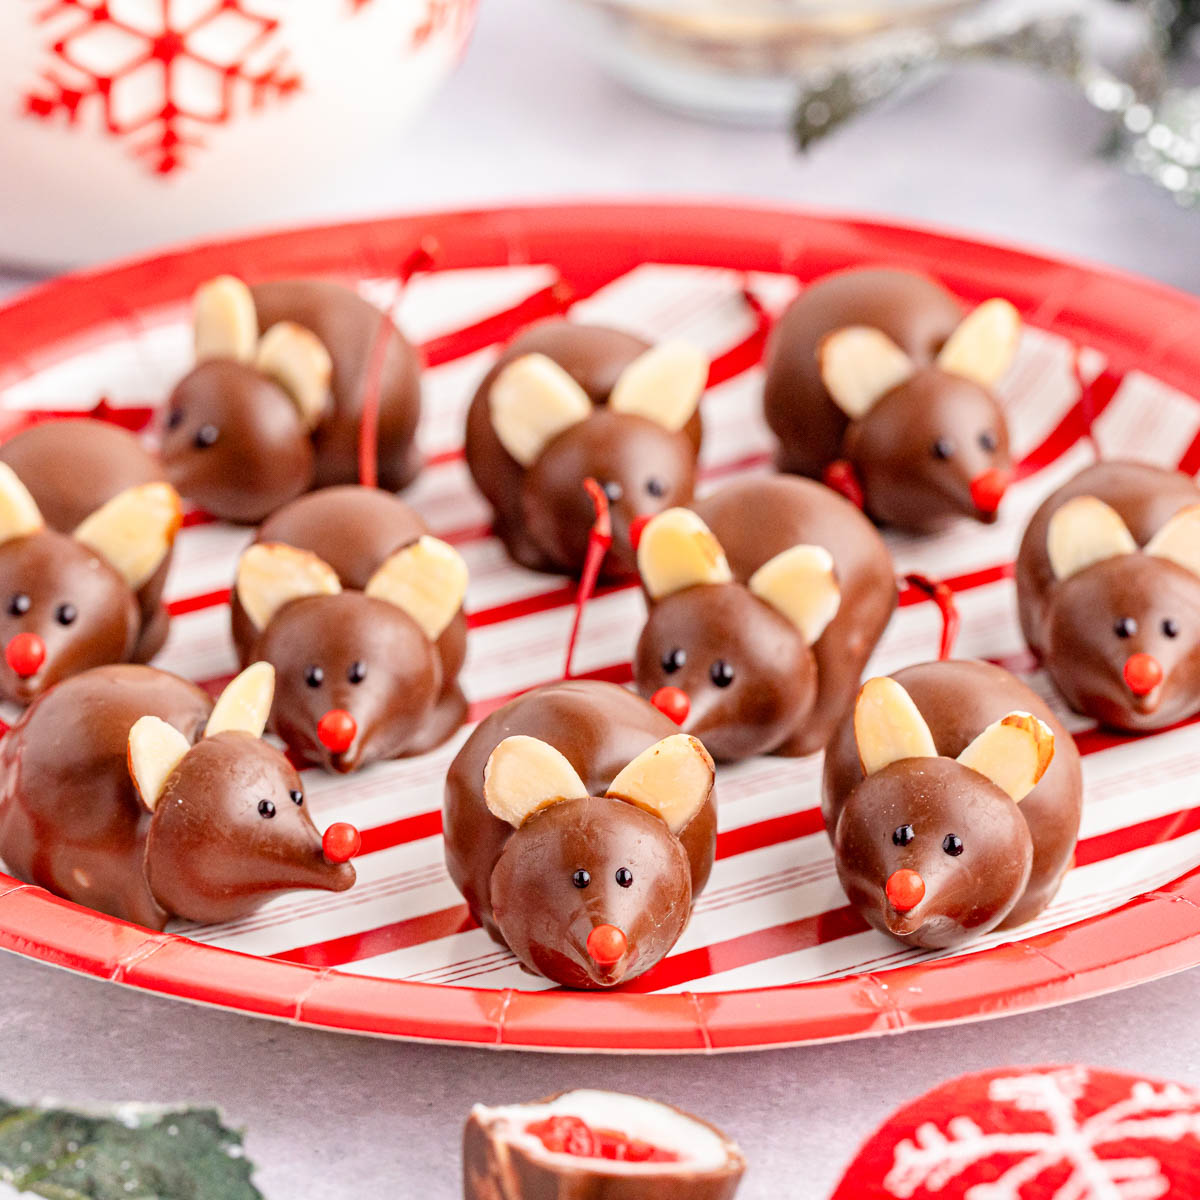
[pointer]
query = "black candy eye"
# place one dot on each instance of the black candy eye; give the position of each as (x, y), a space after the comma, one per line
(656, 487)
(266, 808)
(721, 673)
(903, 835)
(624, 877)
(988, 441)
(581, 879)
(943, 448)
(357, 672)
(1126, 627)
(613, 490)
(674, 660)
(297, 796)
(18, 605)
(953, 845)
(1170, 627)
(175, 418)
(65, 614)
(206, 436)
(314, 676)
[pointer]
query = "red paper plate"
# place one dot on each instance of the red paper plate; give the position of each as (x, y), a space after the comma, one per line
(773, 956)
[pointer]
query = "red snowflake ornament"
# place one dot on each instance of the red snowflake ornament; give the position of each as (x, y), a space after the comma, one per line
(1043, 1133)
(158, 74)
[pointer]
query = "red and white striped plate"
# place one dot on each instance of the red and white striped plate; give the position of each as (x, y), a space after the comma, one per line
(773, 955)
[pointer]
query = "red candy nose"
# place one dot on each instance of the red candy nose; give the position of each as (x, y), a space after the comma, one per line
(905, 889)
(337, 730)
(607, 945)
(673, 703)
(25, 654)
(987, 490)
(636, 528)
(1143, 673)
(341, 842)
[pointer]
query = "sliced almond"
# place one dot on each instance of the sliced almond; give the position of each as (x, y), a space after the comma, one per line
(135, 530)
(523, 775)
(1179, 540)
(19, 513)
(672, 779)
(983, 347)
(427, 580)
(859, 366)
(800, 583)
(664, 385)
(245, 704)
(271, 574)
(676, 551)
(888, 726)
(531, 402)
(298, 361)
(1084, 531)
(1014, 753)
(225, 320)
(155, 750)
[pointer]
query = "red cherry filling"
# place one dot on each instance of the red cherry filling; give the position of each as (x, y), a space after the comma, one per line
(574, 1136)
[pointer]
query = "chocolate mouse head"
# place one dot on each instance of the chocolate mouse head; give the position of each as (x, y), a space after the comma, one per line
(934, 850)
(925, 442)
(558, 415)
(731, 662)
(69, 602)
(593, 890)
(229, 823)
(1123, 622)
(359, 672)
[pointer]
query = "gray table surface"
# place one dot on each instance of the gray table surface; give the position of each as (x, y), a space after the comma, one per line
(992, 152)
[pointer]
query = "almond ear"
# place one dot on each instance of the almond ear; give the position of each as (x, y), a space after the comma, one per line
(272, 574)
(427, 580)
(1179, 540)
(523, 775)
(800, 583)
(531, 402)
(245, 704)
(19, 513)
(888, 726)
(983, 347)
(676, 551)
(672, 779)
(155, 749)
(1084, 531)
(1014, 753)
(664, 385)
(297, 360)
(224, 320)
(135, 530)
(859, 366)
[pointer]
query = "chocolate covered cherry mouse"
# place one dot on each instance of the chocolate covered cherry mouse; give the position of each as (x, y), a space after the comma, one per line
(953, 797)
(876, 383)
(570, 402)
(765, 601)
(275, 404)
(360, 612)
(126, 790)
(579, 828)
(71, 601)
(1108, 580)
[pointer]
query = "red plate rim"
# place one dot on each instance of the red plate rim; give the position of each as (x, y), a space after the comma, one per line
(1136, 323)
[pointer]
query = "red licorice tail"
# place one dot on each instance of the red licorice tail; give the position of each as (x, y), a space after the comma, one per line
(758, 308)
(423, 257)
(941, 594)
(599, 543)
(1087, 401)
(842, 478)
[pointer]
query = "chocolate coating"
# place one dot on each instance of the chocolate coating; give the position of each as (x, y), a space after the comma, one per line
(1072, 623)
(1014, 856)
(785, 697)
(262, 456)
(891, 449)
(518, 883)
(71, 820)
(543, 515)
(409, 700)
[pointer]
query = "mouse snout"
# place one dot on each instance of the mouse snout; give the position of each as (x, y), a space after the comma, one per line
(987, 490)
(905, 889)
(672, 702)
(607, 945)
(337, 730)
(25, 654)
(1143, 673)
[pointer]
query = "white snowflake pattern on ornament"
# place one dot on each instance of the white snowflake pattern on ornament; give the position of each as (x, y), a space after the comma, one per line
(1165, 1113)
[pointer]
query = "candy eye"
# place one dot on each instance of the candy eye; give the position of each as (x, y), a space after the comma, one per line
(18, 605)
(988, 441)
(314, 676)
(656, 487)
(1126, 627)
(1171, 627)
(943, 448)
(953, 845)
(581, 879)
(65, 614)
(721, 673)
(624, 877)
(357, 672)
(903, 835)
(674, 660)
(613, 490)
(297, 796)
(206, 436)
(175, 418)
(266, 808)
